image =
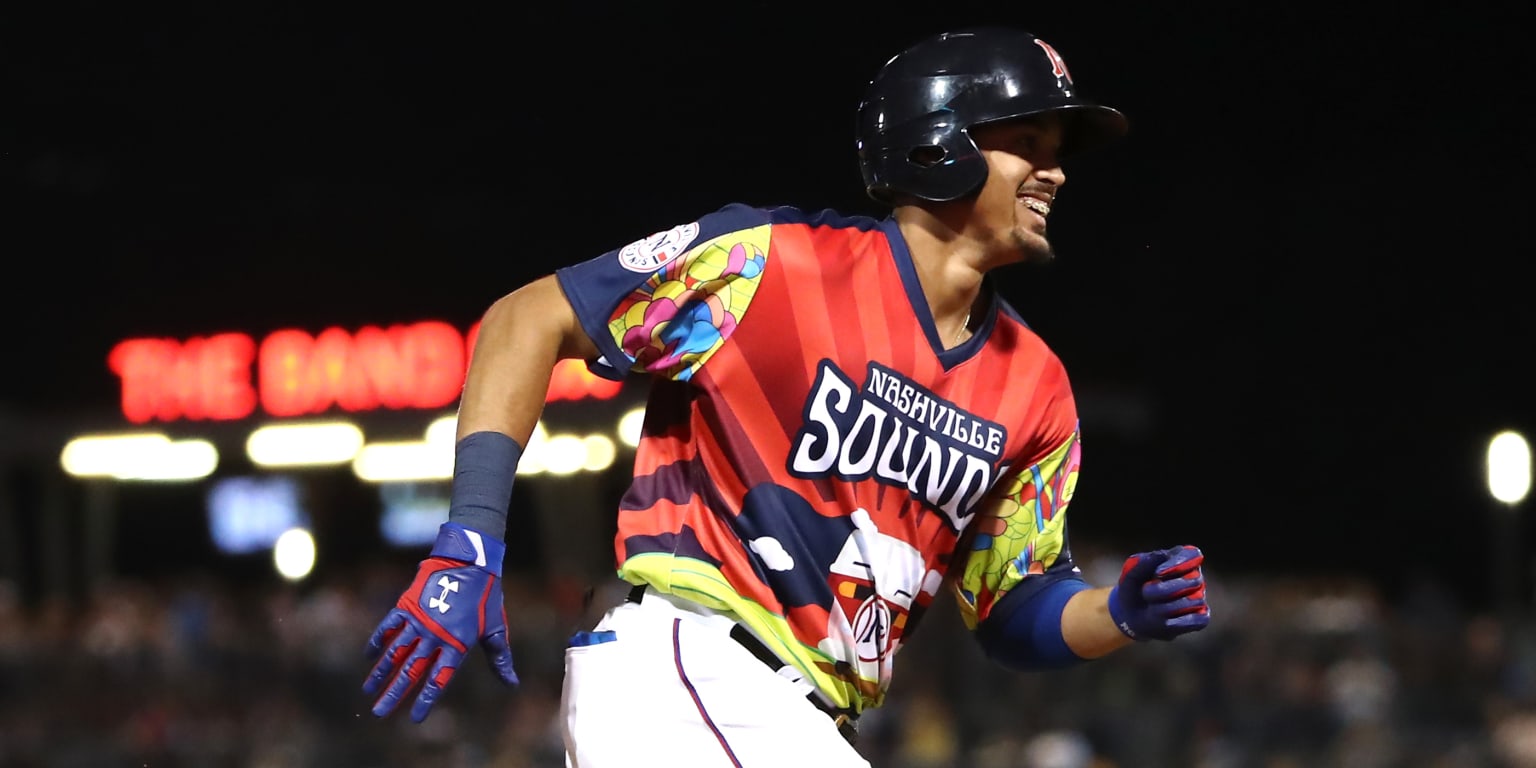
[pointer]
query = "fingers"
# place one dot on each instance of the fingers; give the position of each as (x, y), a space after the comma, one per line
(1168, 594)
(1183, 607)
(412, 670)
(402, 643)
(1179, 591)
(421, 643)
(1141, 567)
(1189, 622)
(1180, 560)
(1164, 591)
(442, 672)
(499, 655)
(385, 632)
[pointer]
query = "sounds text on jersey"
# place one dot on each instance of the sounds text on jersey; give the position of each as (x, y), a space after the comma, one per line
(901, 434)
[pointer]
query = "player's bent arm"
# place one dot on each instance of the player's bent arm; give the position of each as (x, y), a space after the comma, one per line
(1087, 627)
(1053, 625)
(522, 335)
(420, 644)
(1160, 595)
(1058, 620)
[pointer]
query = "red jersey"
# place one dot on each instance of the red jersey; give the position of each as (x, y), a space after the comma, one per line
(812, 455)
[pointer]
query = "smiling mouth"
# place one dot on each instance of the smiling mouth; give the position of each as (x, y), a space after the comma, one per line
(1038, 206)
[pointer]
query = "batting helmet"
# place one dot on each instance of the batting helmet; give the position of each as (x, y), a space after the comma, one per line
(914, 123)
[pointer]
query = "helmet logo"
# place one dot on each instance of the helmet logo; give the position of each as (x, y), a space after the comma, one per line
(1058, 64)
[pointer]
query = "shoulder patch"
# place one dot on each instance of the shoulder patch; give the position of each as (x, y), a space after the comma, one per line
(652, 253)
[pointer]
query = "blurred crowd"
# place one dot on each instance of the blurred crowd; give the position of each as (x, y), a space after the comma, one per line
(201, 672)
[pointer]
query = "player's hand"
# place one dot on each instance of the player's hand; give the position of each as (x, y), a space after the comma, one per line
(454, 602)
(1160, 595)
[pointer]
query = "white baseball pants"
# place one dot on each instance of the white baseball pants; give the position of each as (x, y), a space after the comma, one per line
(670, 688)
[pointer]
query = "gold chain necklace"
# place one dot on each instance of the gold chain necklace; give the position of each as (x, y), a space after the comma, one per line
(963, 325)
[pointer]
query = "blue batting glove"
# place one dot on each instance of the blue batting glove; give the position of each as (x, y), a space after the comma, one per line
(1161, 595)
(454, 602)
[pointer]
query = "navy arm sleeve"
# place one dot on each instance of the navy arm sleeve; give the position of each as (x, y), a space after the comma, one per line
(1023, 630)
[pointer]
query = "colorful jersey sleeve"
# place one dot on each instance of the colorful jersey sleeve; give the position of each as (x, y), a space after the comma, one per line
(1020, 537)
(664, 304)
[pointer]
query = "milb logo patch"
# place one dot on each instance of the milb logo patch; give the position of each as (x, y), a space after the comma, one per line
(900, 434)
(652, 253)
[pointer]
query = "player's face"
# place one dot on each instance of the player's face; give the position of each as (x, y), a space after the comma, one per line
(1023, 177)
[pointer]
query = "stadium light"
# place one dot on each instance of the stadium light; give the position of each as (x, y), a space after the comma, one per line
(629, 426)
(564, 454)
(600, 453)
(304, 445)
(139, 456)
(444, 430)
(428, 459)
(1509, 480)
(432, 458)
(532, 462)
(1509, 467)
(402, 462)
(293, 554)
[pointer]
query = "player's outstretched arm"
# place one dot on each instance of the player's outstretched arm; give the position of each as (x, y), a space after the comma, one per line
(1159, 596)
(455, 601)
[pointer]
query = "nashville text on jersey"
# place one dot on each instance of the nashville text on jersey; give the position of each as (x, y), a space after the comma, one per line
(901, 434)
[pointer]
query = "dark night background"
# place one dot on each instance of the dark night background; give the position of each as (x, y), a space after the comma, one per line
(1306, 267)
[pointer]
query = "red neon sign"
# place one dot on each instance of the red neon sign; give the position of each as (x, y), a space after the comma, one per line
(290, 373)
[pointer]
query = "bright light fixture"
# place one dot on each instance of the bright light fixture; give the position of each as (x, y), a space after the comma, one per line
(139, 456)
(532, 462)
(293, 554)
(404, 461)
(1509, 467)
(304, 445)
(444, 431)
(629, 427)
(564, 454)
(600, 453)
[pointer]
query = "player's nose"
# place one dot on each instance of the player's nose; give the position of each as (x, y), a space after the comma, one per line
(1052, 174)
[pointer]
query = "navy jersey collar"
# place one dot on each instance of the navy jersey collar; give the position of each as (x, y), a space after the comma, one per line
(948, 358)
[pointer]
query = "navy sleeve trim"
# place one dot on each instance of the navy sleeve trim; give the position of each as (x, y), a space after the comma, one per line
(1023, 631)
(612, 363)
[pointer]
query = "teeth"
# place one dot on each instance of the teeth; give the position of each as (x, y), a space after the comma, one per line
(1038, 206)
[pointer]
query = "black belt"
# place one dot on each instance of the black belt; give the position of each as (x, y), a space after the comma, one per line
(847, 723)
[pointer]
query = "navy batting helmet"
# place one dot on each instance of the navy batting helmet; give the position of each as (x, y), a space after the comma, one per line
(914, 121)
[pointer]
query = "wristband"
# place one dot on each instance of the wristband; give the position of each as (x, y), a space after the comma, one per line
(484, 465)
(456, 542)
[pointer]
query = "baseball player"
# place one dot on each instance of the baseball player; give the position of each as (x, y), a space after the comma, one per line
(844, 419)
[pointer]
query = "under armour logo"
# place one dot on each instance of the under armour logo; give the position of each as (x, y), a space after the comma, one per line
(441, 601)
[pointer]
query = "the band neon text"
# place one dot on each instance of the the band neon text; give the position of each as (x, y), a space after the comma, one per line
(291, 373)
